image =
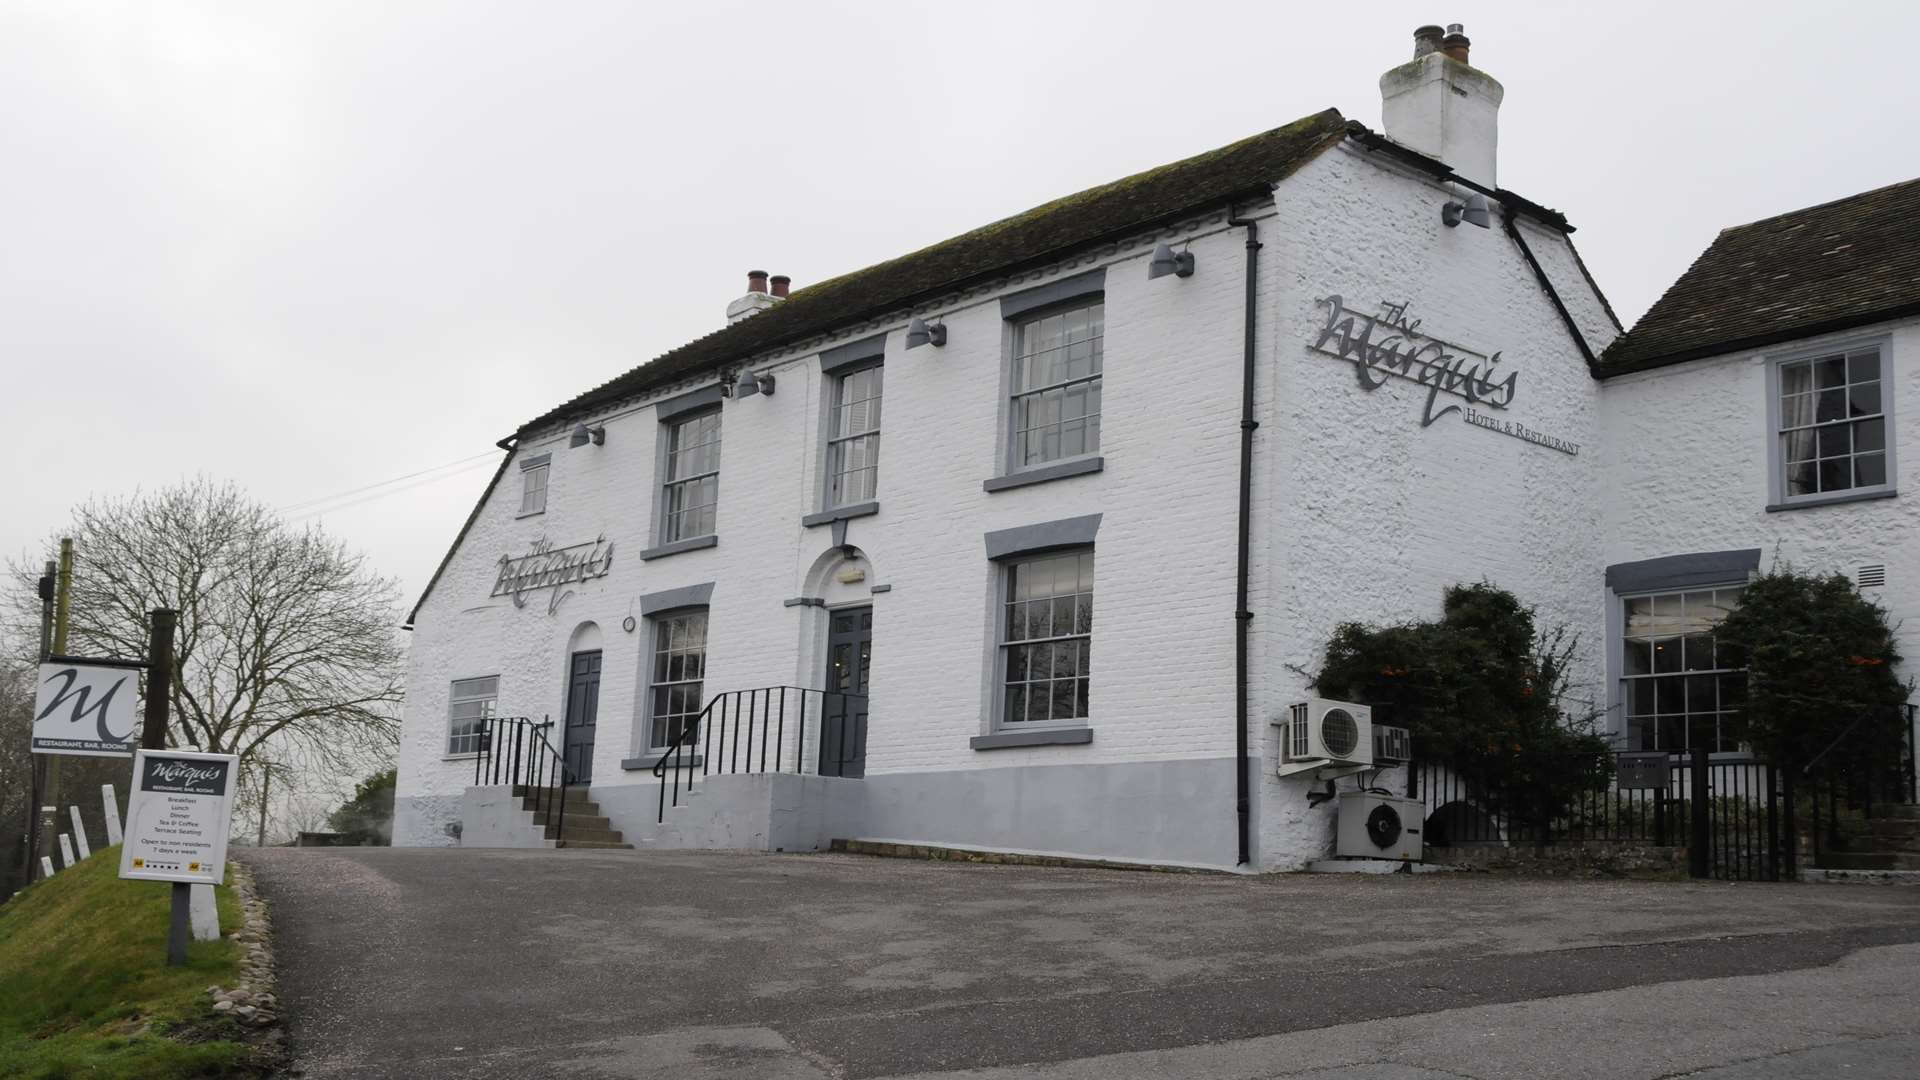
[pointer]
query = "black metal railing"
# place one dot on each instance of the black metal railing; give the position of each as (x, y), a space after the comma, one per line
(746, 731)
(1740, 827)
(1869, 767)
(514, 750)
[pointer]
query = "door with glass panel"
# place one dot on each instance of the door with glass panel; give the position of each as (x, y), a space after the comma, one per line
(843, 723)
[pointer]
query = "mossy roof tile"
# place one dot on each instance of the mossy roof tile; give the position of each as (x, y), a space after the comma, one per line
(1826, 268)
(1045, 233)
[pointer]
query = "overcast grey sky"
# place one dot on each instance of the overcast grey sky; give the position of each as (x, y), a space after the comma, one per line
(313, 247)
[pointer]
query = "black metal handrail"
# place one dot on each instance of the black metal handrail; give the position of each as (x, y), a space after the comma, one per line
(514, 750)
(763, 712)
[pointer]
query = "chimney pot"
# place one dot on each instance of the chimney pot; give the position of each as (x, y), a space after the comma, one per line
(1456, 43)
(757, 281)
(1426, 40)
(780, 283)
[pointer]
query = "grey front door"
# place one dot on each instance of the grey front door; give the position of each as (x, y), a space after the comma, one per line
(583, 710)
(843, 721)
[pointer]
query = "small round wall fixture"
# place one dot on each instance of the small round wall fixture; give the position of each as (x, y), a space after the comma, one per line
(628, 624)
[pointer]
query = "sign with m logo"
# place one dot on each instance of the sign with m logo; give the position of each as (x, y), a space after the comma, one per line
(85, 709)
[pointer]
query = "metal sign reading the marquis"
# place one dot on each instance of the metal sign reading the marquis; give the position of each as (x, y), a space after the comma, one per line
(549, 567)
(86, 710)
(1391, 344)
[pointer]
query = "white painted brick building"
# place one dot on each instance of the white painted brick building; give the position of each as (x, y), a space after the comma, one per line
(1356, 510)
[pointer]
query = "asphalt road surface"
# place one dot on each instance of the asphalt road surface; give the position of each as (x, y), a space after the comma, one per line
(528, 964)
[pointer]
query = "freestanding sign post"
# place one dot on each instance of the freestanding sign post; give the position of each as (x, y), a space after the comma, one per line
(85, 707)
(178, 813)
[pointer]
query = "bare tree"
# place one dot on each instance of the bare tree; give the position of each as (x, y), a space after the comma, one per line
(286, 638)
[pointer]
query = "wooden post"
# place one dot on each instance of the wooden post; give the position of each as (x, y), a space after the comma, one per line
(66, 852)
(179, 924)
(153, 731)
(266, 781)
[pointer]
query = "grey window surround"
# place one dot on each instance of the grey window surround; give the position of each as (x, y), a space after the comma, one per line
(1004, 740)
(1091, 283)
(651, 758)
(1777, 497)
(536, 460)
(1683, 571)
(644, 707)
(692, 543)
(841, 513)
(706, 397)
(524, 514)
(1059, 470)
(668, 599)
(852, 354)
(803, 601)
(1808, 502)
(1029, 539)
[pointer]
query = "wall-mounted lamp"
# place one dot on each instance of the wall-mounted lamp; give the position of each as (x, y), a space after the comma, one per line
(1168, 261)
(1473, 212)
(919, 333)
(751, 384)
(582, 435)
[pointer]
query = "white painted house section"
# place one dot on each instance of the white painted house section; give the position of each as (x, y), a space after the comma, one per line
(1360, 513)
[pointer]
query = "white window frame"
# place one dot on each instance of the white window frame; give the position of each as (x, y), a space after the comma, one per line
(1778, 496)
(1019, 328)
(668, 482)
(535, 470)
(837, 441)
(488, 711)
(1004, 643)
(658, 624)
(1623, 683)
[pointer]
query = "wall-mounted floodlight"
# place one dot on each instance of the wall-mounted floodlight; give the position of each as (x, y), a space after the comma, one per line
(1168, 261)
(1473, 212)
(751, 384)
(919, 333)
(582, 435)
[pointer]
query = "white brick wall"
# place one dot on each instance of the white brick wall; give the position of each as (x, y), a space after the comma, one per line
(1366, 516)
(1163, 651)
(1359, 512)
(1687, 456)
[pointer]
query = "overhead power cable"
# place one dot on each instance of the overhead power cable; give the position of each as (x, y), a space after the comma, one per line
(488, 456)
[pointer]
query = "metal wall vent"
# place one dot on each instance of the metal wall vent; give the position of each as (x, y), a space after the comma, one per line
(1871, 577)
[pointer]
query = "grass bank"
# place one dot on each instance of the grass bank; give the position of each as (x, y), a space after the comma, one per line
(85, 990)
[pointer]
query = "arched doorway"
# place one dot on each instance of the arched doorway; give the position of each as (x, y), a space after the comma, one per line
(842, 580)
(583, 701)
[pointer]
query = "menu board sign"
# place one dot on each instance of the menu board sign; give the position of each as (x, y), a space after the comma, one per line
(178, 815)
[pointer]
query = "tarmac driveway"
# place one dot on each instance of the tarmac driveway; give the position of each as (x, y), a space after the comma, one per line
(493, 963)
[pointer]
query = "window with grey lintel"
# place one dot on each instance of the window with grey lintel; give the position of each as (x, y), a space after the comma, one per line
(1042, 667)
(850, 466)
(533, 484)
(1831, 413)
(1677, 687)
(1053, 381)
(673, 668)
(470, 705)
(688, 475)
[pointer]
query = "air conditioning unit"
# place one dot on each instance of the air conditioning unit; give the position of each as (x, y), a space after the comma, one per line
(1318, 734)
(1376, 826)
(1392, 745)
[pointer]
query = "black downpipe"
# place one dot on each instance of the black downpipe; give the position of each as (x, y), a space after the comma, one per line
(1243, 808)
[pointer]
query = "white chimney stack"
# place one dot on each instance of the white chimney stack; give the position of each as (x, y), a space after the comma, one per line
(1442, 107)
(757, 299)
